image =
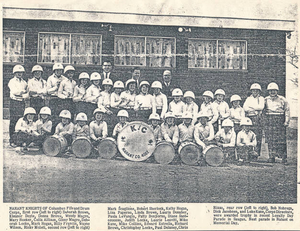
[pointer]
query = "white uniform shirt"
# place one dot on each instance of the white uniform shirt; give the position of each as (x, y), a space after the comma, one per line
(92, 94)
(145, 102)
(16, 86)
(66, 89)
(68, 128)
(177, 108)
(248, 139)
(203, 132)
(207, 108)
(170, 133)
(115, 100)
(98, 130)
(161, 102)
(79, 93)
(53, 83)
(192, 108)
(222, 108)
(129, 99)
(47, 125)
(186, 132)
(104, 99)
(236, 114)
(228, 138)
(118, 128)
(25, 126)
(254, 106)
(37, 85)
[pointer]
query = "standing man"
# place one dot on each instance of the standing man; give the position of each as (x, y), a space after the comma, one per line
(136, 75)
(167, 85)
(18, 92)
(107, 74)
(277, 113)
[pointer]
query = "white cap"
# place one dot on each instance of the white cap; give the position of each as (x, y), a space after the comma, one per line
(166, 72)
(100, 110)
(95, 76)
(45, 111)
(130, 81)
(29, 110)
(107, 82)
(273, 86)
(65, 114)
(84, 75)
(123, 113)
(220, 92)
(18, 68)
(81, 117)
(209, 94)
(189, 94)
(156, 84)
(118, 84)
(37, 68)
(69, 68)
(227, 123)
(169, 114)
(255, 86)
(246, 121)
(57, 66)
(235, 98)
(202, 114)
(144, 83)
(177, 92)
(154, 116)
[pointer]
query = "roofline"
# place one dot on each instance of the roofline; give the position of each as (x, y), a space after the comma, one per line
(147, 19)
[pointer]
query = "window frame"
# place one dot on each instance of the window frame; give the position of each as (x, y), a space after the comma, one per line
(13, 31)
(217, 54)
(70, 48)
(145, 38)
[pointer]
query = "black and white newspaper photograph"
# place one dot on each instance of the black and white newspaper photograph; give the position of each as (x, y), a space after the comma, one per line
(149, 115)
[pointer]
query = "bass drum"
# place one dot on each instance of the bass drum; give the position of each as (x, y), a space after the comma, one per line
(107, 148)
(189, 152)
(164, 152)
(213, 155)
(54, 145)
(136, 141)
(82, 147)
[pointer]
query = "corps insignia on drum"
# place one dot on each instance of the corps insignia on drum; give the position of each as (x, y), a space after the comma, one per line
(136, 141)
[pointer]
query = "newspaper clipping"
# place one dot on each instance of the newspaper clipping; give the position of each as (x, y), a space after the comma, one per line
(150, 115)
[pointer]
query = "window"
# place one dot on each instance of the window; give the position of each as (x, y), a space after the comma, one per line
(217, 54)
(54, 48)
(13, 46)
(145, 51)
(160, 52)
(86, 49)
(69, 48)
(130, 51)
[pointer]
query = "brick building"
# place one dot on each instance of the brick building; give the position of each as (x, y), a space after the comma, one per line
(203, 53)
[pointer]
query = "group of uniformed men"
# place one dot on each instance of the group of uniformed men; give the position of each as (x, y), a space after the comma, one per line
(108, 106)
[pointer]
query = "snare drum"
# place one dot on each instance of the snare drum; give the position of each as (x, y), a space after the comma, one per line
(107, 148)
(54, 145)
(136, 141)
(164, 152)
(82, 147)
(214, 155)
(189, 152)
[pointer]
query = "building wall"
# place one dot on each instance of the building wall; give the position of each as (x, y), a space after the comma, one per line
(260, 43)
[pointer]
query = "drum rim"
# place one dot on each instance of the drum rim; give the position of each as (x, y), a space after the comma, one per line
(208, 148)
(169, 145)
(50, 137)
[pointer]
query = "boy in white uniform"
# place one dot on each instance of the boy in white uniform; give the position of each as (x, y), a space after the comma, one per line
(80, 92)
(128, 98)
(204, 131)
(236, 112)
(161, 100)
(246, 142)
(92, 94)
(169, 129)
(190, 105)
(177, 106)
(221, 107)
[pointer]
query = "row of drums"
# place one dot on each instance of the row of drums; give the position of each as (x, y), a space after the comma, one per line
(136, 142)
